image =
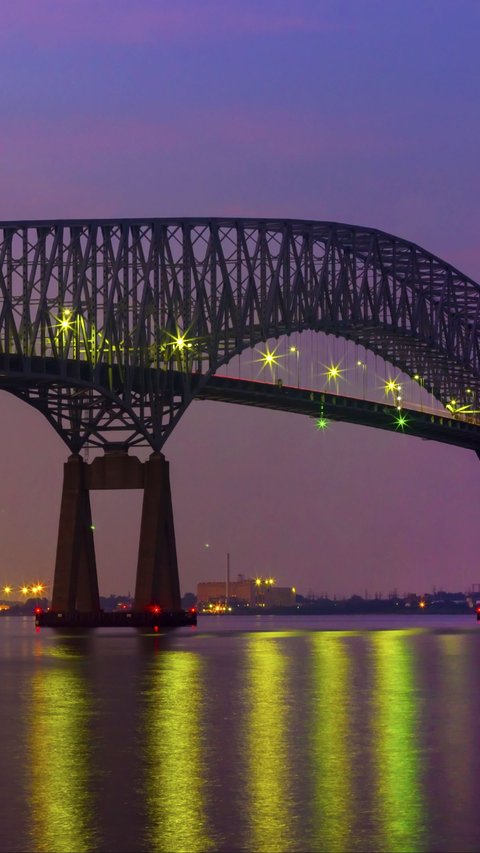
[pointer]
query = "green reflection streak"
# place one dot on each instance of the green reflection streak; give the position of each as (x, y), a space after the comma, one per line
(269, 762)
(176, 780)
(331, 728)
(60, 761)
(400, 805)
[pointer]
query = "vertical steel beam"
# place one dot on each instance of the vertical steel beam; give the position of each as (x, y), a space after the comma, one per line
(157, 570)
(75, 585)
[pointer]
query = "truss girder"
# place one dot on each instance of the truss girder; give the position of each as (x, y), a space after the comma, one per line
(143, 298)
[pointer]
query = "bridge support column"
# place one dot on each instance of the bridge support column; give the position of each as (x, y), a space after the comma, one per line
(157, 569)
(75, 585)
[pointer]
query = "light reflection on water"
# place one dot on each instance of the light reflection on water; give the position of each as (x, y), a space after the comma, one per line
(228, 739)
(396, 726)
(175, 782)
(60, 760)
(331, 743)
(267, 735)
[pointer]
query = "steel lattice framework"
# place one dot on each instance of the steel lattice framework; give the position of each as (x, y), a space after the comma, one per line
(98, 317)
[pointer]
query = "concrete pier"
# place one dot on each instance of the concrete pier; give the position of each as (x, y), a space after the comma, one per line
(157, 570)
(75, 587)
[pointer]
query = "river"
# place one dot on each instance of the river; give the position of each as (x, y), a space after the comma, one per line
(265, 734)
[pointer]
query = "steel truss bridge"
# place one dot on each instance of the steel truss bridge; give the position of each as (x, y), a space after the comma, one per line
(98, 319)
(110, 328)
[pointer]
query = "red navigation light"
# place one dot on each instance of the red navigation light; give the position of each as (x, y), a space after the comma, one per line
(155, 627)
(478, 609)
(38, 610)
(153, 608)
(192, 610)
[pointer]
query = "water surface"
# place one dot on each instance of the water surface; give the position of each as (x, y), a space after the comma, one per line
(263, 734)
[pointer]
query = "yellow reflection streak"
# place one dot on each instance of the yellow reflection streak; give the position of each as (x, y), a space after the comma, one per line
(60, 761)
(176, 781)
(400, 809)
(334, 810)
(458, 769)
(269, 762)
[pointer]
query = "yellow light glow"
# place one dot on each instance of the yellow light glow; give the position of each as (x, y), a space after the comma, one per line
(333, 372)
(421, 604)
(258, 581)
(391, 386)
(7, 589)
(65, 322)
(24, 590)
(269, 358)
(180, 341)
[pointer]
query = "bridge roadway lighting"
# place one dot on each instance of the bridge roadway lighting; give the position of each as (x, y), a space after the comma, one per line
(269, 358)
(295, 351)
(334, 372)
(391, 386)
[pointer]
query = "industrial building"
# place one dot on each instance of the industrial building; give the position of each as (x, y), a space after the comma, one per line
(244, 592)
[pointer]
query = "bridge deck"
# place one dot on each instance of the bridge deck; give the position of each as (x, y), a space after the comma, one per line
(335, 407)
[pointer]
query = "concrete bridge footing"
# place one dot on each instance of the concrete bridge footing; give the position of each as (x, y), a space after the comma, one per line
(75, 584)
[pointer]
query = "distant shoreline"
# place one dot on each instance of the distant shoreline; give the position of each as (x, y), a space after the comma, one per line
(348, 610)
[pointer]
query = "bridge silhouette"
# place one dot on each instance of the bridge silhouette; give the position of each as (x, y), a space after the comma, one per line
(110, 328)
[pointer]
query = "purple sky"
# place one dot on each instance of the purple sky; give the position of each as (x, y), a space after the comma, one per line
(359, 111)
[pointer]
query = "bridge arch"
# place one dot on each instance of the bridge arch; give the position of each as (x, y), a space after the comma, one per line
(105, 324)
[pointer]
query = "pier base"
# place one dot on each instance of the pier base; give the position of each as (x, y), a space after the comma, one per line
(75, 588)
